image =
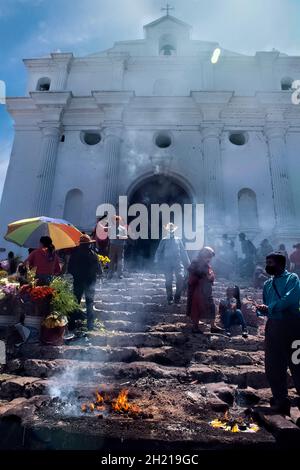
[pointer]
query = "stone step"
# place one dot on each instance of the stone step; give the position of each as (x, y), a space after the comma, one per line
(169, 327)
(162, 355)
(177, 349)
(86, 367)
(117, 297)
(144, 277)
(150, 339)
(252, 343)
(140, 289)
(139, 307)
(157, 285)
(229, 357)
(143, 318)
(243, 376)
(131, 326)
(80, 353)
(63, 374)
(13, 386)
(158, 289)
(132, 290)
(123, 305)
(125, 326)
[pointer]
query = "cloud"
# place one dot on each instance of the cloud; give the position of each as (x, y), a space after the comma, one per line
(9, 8)
(93, 25)
(85, 27)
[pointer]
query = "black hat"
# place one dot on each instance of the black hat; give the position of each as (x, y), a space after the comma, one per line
(278, 256)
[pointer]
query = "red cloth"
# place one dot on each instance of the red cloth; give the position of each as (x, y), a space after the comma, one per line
(43, 262)
(200, 301)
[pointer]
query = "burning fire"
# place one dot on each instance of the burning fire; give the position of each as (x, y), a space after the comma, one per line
(122, 405)
(231, 424)
(104, 402)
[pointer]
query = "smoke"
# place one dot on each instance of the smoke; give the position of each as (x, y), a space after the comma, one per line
(63, 387)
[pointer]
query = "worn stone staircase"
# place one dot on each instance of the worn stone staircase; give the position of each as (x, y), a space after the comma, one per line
(146, 343)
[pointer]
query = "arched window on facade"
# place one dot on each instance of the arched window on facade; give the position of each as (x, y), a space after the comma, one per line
(168, 49)
(43, 84)
(286, 83)
(167, 45)
(73, 207)
(247, 207)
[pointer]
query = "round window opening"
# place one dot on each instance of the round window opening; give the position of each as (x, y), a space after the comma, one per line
(163, 141)
(91, 138)
(238, 138)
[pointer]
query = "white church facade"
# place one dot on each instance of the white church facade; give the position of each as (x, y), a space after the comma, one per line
(156, 120)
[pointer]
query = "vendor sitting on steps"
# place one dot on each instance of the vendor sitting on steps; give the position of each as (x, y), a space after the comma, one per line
(230, 311)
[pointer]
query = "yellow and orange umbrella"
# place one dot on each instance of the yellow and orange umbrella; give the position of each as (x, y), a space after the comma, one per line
(27, 232)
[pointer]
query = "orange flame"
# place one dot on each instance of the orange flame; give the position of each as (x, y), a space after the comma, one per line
(92, 406)
(99, 398)
(104, 401)
(84, 408)
(121, 404)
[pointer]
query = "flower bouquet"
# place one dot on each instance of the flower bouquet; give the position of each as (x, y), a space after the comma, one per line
(3, 274)
(8, 301)
(38, 298)
(104, 261)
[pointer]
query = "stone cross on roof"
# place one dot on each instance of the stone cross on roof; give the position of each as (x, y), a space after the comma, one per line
(167, 9)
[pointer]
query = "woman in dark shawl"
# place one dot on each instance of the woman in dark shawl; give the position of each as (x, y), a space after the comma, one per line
(200, 302)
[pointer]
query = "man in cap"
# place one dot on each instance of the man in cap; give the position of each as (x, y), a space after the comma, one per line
(281, 296)
(84, 267)
(172, 257)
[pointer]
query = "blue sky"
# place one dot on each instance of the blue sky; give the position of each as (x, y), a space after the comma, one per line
(34, 28)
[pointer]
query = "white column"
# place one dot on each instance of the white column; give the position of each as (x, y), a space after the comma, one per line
(118, 73)
(282, 195)
(46, 173)
(60, 79)
(61, 65)
(213, 180)
(112, 146)
(266, 62)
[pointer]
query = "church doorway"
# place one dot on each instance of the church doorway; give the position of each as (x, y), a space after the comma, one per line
(156, 189)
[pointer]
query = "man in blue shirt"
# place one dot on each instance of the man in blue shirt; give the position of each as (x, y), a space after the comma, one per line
(281, 296)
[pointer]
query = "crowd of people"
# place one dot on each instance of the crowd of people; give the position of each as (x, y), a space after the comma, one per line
(250, 266)
(281, 302)
(274, 271)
